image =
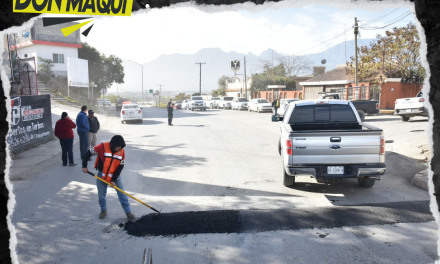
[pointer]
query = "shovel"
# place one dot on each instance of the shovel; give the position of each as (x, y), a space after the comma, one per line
(122, 191)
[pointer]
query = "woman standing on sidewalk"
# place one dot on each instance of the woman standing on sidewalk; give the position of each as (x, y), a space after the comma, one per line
(63, 130)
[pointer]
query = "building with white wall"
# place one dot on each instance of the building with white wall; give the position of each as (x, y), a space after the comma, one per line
(48, 43)
(235, 87)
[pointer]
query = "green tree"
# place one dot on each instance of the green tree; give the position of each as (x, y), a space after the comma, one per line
(103, 71)
(45, 70)
(181, 96)
(397, 55)
(262, 80)
(195, 94)
(113, 98)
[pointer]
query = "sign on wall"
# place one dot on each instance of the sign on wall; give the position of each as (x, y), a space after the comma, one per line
(77, 72)
(31, 120)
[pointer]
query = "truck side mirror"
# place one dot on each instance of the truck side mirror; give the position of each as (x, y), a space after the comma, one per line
(277, 118)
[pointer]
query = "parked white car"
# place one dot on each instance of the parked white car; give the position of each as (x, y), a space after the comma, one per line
(410, 107)
(225, 102)
(213, 102)
(185, 104)
(131, 112)
(283, 105)
(102, 102)
(239, 103)
(259, 105)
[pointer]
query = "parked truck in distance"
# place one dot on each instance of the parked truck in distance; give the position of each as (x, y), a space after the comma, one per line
(363, 107)
(196, 102)
(326, 140)
(410, 107)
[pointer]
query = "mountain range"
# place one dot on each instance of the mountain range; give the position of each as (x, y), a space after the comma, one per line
(180, 73)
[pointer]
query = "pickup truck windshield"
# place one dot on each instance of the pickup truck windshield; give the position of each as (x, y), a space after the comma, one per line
(215, 98)
(262, 101)
(242, 100)
(197, 98)
(322, 114)
(228, 98)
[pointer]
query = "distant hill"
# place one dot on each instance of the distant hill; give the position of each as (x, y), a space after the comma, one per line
(180, 73)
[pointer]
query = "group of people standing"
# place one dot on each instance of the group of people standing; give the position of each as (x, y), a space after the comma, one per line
(87, 127)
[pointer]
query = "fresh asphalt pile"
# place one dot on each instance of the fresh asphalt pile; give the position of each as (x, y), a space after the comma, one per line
(180, 223)
(245, 221)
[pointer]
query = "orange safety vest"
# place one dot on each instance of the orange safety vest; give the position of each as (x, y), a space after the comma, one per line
(111, 162)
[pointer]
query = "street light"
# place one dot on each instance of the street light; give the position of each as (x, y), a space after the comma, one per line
(142, 80)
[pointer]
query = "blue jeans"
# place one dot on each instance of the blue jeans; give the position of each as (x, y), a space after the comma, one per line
(66, 150)
(83, 142)
(102, 191)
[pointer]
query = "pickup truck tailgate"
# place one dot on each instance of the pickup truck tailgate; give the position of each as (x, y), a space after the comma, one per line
(409, 103)
(328, 147)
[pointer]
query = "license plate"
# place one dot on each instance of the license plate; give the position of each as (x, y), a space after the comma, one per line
(408, 110)
(335, 170)
(130, 113)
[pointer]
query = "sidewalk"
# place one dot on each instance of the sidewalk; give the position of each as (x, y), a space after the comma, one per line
(25, 161)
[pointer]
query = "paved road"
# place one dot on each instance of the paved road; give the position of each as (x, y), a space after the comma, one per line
(225, 160)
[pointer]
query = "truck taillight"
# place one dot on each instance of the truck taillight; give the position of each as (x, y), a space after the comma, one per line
(289, 147)
(123, 112)
(377, 106)
(421, 100)
(395, 102)
(382, 145)
(139, 112)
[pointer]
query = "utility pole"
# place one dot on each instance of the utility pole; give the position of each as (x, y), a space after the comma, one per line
(272, 64)
(160, 92)
(245, 84)
(356, 32)
(200, 85)
(345, 42)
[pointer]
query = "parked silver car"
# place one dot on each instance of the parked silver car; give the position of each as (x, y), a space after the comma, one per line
(239, 103)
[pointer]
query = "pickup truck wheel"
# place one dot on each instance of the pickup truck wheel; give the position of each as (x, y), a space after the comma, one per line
(405, 118)
(361, 115)
(289, 181)
(366, 183)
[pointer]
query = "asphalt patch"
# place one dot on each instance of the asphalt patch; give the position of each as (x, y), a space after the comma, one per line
(251, 221)
(182, 223)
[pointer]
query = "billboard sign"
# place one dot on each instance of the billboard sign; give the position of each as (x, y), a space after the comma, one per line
(77, 72)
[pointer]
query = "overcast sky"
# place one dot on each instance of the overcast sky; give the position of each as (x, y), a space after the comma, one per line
(285, 27)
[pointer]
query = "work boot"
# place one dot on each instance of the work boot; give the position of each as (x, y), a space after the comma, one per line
(103, 215)
(130, 216)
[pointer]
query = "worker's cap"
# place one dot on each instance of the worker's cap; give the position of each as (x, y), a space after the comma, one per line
(91, 112)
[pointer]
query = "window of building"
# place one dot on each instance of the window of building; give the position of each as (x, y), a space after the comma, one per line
(58, 58)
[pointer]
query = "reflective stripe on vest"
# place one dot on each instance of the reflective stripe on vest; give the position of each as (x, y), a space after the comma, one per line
(111, 162)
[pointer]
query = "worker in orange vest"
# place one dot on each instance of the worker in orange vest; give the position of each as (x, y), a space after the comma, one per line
(109, 163)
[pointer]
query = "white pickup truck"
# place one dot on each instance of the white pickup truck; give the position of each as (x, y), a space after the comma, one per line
(326, 140)
(409, 107)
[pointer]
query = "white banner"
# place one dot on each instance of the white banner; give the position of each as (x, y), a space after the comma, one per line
(77, 72)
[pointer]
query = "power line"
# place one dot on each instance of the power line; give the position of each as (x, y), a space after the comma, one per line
(391, 22)
(325, 41)
(373, 17)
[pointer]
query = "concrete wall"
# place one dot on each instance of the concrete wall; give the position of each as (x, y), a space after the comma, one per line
(53, 33)
(395, 90)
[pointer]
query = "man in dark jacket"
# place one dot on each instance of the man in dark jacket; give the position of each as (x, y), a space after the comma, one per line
(109, 163)
(170, 112)
(94, 127)
(83, 129)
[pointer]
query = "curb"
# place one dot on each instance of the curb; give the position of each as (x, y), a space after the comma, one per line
(421, 180)
(386, 112)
